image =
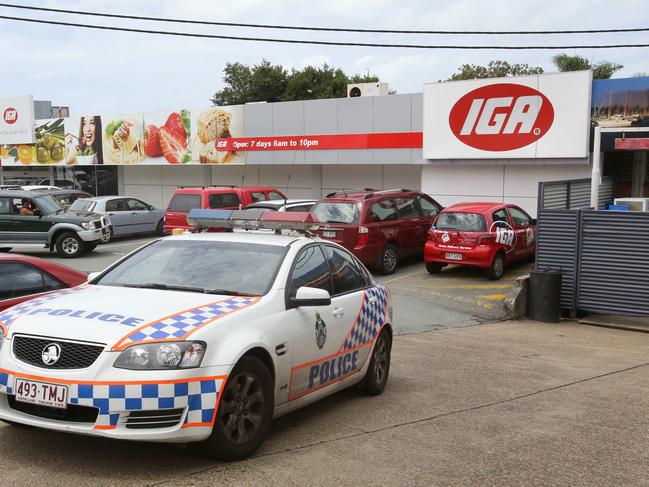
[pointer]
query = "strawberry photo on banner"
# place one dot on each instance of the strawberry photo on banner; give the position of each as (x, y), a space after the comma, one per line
(166, 137)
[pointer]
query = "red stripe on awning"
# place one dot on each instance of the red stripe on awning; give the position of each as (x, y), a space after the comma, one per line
(632, 144)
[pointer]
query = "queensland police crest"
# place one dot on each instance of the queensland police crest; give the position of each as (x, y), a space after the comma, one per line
(320, 331)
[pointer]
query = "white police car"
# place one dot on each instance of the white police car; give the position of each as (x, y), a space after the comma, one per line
(200, 337)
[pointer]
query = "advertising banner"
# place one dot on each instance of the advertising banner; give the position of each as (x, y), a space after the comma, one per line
(540, 116)
(17, 120)
(622, 102)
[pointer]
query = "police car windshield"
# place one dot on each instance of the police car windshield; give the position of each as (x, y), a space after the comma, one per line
(234, 268)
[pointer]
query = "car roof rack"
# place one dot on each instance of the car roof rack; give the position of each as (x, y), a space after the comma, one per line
(210, 186)
(346, 192)
(387, 191)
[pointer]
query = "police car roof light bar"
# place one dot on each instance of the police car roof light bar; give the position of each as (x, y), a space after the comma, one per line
(253, 220)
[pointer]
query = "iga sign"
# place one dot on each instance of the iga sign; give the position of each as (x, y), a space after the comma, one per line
(540, 116)
(17, 120)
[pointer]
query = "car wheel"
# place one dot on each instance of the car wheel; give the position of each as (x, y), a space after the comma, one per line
(160, 228)
(69, 245)
(434, 267)
(389, 259)
(244, 414)
(378, 371)
(497, 268)
(110, 234)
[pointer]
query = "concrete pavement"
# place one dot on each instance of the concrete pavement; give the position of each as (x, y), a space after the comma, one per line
(515, 403)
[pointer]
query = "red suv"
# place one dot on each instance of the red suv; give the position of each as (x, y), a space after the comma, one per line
(214, 197)
(379, 227)
(485, 235)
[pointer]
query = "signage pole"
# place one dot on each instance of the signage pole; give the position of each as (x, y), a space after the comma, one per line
(596, 175)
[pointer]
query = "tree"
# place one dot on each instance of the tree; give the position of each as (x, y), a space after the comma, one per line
(603, 70)
(494, 69)
(267, 82)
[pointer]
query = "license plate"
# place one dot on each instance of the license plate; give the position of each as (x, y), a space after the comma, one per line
(42, 393)
(326, 234)
(453, 256)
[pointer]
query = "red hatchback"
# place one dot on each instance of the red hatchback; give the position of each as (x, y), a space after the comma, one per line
(485, 235)
(379, 227)
(23, 277)
(214, 197)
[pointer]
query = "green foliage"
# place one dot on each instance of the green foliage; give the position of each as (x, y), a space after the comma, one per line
(603, 70)
(267, 82)
(494, 69)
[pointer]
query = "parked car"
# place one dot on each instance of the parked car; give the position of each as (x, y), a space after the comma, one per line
(126, 215)
(485, 235)
(71, 232)
(214, 197)
(25, 277)
(284, 205)
(68, 196)
(62, 183)
(379, 227)
(39, 187)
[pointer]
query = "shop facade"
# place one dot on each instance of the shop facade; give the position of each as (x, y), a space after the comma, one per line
(473, 140)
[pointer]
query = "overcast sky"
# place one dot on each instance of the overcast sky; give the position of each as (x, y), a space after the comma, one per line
(109, 72)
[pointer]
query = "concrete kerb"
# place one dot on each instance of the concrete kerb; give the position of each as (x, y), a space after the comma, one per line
(516, 301)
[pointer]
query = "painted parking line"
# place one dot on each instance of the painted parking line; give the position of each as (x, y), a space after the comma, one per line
(125, 244)
(493, 297)
(461, 286)
(486, 304)
(404, 277)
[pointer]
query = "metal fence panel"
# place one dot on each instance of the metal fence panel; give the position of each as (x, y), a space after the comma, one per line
(614, 263)
(573, 194)
(557, 248)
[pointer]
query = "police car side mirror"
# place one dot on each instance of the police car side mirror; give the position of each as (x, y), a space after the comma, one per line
(310, 296)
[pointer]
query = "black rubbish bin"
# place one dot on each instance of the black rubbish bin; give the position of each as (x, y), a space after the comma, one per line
(544, 296)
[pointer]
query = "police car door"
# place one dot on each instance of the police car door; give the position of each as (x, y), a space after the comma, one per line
(318, 330)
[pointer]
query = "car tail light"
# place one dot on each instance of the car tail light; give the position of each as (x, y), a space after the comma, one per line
(486, 239)
(363, 237)
(430, 235)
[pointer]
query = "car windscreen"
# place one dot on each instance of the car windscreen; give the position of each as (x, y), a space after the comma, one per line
(48, 204)
(184, 202)
(82, 205)
(463, 222)
(234, 268)
(333, 212)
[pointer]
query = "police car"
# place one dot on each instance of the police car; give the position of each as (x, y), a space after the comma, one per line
(200, 337)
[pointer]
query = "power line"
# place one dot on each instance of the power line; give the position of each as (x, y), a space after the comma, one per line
(323, 29)
(315, 42)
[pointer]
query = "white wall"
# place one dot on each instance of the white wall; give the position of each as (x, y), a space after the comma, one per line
(517, 184)
(156, 184)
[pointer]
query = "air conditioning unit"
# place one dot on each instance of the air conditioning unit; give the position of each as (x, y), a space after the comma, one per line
(367, 89)
(634, 204)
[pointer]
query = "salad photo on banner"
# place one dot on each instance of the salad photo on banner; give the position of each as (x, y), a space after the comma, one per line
(123, 139)
(167, 137)
(217, 123)
(83, 140)
(49, 148)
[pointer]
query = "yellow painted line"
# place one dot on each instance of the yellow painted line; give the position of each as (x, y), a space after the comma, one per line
(463, 286)
(464, 299)
(404, 277)
(493, 297)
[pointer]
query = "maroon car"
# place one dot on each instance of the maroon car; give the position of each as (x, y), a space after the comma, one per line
(24, 277)
(379, 227)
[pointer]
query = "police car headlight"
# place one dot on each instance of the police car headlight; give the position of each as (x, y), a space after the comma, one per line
(161, 356)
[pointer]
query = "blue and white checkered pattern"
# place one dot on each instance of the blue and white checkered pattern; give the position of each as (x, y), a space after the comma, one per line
(10, 315)
(180, 325)
(370, 319)
(198, 396)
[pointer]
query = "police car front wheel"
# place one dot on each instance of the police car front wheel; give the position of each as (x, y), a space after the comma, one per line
(245, 412)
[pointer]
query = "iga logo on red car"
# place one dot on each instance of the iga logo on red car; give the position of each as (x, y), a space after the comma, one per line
(501, 117)
(11, 115)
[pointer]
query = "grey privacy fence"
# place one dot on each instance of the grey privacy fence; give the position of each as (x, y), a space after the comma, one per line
(603, 256)
(573, 194)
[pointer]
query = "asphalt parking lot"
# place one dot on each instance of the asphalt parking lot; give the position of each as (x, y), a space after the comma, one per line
(459, 296)
(500, 404)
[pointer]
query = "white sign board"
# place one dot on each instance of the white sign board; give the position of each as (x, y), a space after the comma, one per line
(540, 116)
(17, 120)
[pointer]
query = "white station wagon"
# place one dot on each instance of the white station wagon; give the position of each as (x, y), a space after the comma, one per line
(201, 337)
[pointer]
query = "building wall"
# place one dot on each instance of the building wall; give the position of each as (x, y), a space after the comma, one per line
(512, 183)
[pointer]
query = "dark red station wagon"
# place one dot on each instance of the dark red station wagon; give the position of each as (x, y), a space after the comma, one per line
(485, 235)
(379, 227)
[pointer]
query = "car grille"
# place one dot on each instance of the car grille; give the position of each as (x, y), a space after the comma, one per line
(102, 222)
(73, 355)
(73, 413)
(158, 418)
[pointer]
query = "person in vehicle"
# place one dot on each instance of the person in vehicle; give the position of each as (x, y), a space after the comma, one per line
(26, 209)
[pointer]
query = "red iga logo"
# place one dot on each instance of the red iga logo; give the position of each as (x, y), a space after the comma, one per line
(501, 117)
(11, 115)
